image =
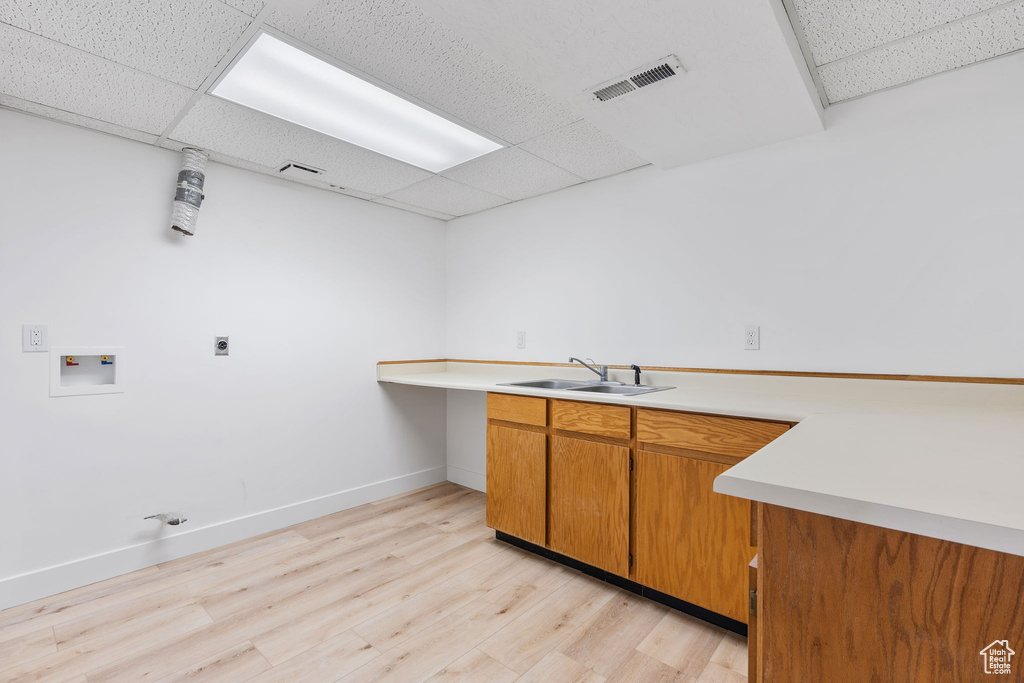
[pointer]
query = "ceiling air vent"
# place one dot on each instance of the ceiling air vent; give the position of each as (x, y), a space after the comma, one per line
(641, 78)
(293, 170)
(614, 90)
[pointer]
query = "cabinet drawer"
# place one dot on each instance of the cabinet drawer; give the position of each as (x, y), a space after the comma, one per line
(731, 436)
(522, 409)
(591, 418)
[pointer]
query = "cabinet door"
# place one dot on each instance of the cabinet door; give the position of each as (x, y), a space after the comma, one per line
(517, 482)
(589, 505)
(691, 542)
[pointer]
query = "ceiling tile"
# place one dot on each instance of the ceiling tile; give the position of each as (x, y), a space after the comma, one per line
(40, 70)
(745, 83)
(447, 196)
(584, 150)
(267, 170)
(250, 7)
(177, 146)
(246, 134)
(180, 40)
(955, 45)
(74, 119)
(394, 41)
(839, 28)
(415, 209)
(512, 173)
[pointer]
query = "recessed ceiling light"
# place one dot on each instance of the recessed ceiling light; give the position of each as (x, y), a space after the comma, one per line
(279, 79)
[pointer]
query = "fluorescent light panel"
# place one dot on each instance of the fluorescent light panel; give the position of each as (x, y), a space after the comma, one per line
(281, 80)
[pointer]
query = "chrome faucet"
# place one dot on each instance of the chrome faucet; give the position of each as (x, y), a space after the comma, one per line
(602, 372)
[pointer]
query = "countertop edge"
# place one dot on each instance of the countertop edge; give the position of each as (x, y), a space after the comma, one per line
(967, 532)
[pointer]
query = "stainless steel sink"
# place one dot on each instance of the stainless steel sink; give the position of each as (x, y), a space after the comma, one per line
(621, 389)
(546, 384)
(616, 388)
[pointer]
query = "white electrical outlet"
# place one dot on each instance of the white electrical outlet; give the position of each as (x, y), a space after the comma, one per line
(752, 338)
(35, 338)
(521, 340)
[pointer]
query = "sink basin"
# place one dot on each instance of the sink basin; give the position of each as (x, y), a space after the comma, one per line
(619, 389)
(593, 387)
(546, 384)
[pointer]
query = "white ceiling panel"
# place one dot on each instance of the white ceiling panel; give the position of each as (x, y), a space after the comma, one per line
(746, 83)
(840, 28)
(447, 196)
(584, 150)
(974, 39)
(393, 41)
(250, 7)
(42, 71)
(414, 209)
(74, 119)
(239, 132)
(512, 173)
(220, 158)
(228, 160)
(180, 40)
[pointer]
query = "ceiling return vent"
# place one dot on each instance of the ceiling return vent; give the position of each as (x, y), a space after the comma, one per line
(290, 169)
(640, 78)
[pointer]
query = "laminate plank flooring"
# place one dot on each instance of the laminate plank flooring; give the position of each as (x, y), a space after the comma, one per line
(410, 588)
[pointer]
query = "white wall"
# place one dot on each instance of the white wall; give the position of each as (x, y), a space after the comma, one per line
(466, 438)
(313, 288)
(890, 243)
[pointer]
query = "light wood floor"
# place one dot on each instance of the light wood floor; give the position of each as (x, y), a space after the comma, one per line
(411, 588)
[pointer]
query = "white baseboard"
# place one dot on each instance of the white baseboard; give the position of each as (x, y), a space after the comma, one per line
(42, 583)
(473, 480)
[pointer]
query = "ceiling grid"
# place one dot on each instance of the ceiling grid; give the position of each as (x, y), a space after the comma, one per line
(857, 48)
(141, 69)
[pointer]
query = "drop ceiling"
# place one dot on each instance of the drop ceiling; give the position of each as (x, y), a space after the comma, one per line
(856, 47)
(518, 73)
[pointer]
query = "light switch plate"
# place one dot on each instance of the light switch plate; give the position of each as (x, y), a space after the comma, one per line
(35, 338)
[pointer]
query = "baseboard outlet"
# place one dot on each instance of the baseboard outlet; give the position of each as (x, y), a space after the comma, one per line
(42, 583)
(467, 478)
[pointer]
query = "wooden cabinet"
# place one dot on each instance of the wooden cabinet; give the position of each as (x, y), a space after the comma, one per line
(845, 601)
(726, 436)
(559, 476)
(522, 409)
(517, 482)
(691, 542)
(591, 418)
(588, 508)
(753, 642)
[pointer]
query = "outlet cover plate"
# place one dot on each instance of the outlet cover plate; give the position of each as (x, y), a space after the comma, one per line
(220, 346)
(35, 338)
(752, 338)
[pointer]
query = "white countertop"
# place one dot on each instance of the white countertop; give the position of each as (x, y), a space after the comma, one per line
(948, 477)
(940, 459)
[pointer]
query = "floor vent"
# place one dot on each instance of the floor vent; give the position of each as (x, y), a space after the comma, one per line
(641, 78)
